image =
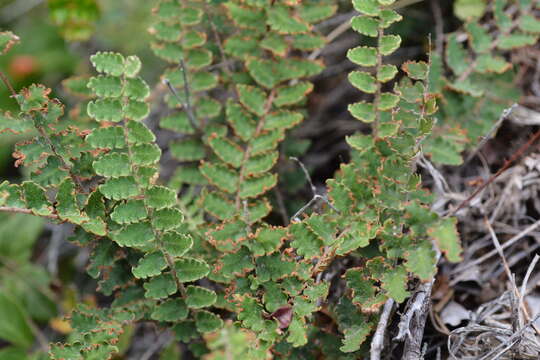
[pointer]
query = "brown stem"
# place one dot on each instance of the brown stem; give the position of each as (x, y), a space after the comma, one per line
(57, 154)
(15, 210)
(6, 81)
(179, 284)
(218, 42)
(377, 99)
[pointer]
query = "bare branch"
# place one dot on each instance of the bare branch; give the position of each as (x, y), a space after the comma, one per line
(505, 114)
(25, 211)
(187, 102)
(315, 197)
(377, 343)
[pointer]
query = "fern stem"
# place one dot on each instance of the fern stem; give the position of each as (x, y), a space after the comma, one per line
(191, 116)
(16, 210)
(6, 81)
(247, 153)
(179, 285)
(218, 41)
(42, 132)
(377, 98)
(64, 164)
(187, 94)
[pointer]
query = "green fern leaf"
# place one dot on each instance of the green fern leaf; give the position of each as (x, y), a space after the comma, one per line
(7, 40)
(107, 138)
(135, 89)
(293, 94)
(417, 70)
(119, 188)
(253, 98)
(218, 206)
(188, 150)
(305, 242)
(315, 12)
(66, 203)
(170, 310)
(108, 63)
(254, 186)
(363, 55)
(145, 154)
(267, 240)
(189, 269)
(207, 322)
(176, 244)
(241, 121)
(112, 165)
(282, 120)
(447, 238)
(134, 235)
(259, 164)
(245, 17)
(266, 141)
(35, 198)
(167, 219)
(365, 25)
(388, 17)
(363, 81)
(389, 43)
(105, 110)
(421, 261)
(129, 212)
(297, 332)
(106, 86)
(227, 151)
(159, 197)
(394, 281)
(368, 7)
(152, 264)
(220, 176)
(479, 38)
(136, 110)
(363, 111)
(516, 40)
(160, 287)
(199, 297)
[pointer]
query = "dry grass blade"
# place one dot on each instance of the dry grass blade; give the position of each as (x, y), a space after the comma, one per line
(528, 275)
(517, 293)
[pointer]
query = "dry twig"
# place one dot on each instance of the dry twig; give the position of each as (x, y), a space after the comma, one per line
(509, 274)
(377, 343)
(315, 197)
